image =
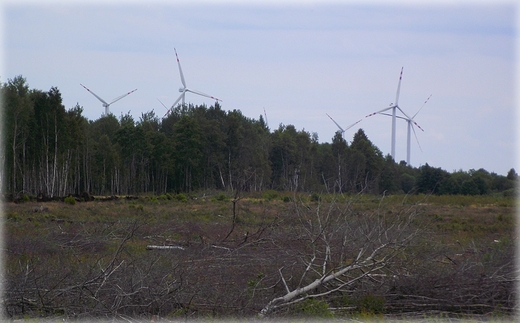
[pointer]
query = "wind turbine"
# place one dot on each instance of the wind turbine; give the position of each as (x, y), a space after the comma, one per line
(394, 107)
(341, 129)
(184, 89)
(105, 104)
(411, 123)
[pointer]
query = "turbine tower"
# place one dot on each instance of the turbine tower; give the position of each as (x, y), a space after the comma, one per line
(341, 129)
(184, 89)
(105, 104)
(394, 107)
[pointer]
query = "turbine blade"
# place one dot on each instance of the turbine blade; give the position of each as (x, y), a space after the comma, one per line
(180, 69)
(341, 129)
(379, 112)
(122, 96)
(399, 87)
(407, 117)
(163, 104)
(203, 94)
(415, 123)
(173, 105)
(355, 123)
(400, 117)
(415, 135)
(94, 94)
(422, 106)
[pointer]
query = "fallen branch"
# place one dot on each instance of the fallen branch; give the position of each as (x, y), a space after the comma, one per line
(153, 247)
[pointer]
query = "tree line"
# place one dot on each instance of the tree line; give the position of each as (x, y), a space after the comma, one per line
(51, 151)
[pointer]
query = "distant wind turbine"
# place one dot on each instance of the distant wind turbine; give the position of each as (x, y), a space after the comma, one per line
(105, 104)
(393, 107)
(341, 129)
(411, 123)
(184, 89)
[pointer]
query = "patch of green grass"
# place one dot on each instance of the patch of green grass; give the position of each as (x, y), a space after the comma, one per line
(13, 216)
(221, 197)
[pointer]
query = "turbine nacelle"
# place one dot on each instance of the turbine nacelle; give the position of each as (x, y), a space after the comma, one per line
(103, 102)
(341, 131)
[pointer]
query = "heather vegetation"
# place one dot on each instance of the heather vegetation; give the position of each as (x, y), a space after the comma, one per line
(272, 255)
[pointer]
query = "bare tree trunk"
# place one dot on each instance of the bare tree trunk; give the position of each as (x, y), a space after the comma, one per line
(55, 163)
(13, 189)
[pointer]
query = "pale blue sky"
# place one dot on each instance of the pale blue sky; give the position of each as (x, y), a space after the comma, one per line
(296, 61)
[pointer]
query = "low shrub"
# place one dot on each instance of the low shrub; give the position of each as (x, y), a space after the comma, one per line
(181, 197)
(271, 195)
(312, 308)
(371, 304)
(70, 200)
(222, 197)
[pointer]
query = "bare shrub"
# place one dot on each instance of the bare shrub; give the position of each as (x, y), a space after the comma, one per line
(338, 250)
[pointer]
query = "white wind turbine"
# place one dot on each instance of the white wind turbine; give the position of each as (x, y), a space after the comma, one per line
(394, 107)
(410, 123)
(184, 89)
(105, 104)
(341, 129)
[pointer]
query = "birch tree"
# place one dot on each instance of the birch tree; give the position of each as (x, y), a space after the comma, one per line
(17, 109)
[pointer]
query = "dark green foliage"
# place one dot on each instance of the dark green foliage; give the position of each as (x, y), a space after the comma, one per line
(369, 161)
(512, 175)
(430, 179)
(407, 183)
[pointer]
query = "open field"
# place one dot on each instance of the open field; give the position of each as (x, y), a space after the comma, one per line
(221, 256)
